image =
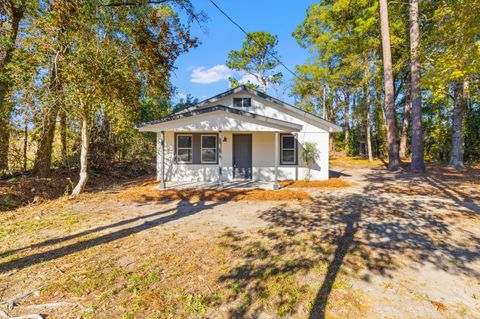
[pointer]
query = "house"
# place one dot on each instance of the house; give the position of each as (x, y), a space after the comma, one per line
(240, 134)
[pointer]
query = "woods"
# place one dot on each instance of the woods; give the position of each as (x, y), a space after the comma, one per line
(81, 74)
(402, 78)
(409, 103)
(314, 159)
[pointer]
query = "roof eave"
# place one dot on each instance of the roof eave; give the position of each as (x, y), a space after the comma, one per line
(143, 127)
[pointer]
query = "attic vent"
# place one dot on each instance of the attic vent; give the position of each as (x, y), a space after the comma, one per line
(242, 102)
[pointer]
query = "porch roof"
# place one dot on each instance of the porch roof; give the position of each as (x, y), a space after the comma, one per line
(216, 118)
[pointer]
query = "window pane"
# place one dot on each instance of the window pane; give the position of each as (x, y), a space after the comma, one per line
(209, 141)
(184, 141)
(184, 155)
(247, 102)
(288, 142)
(288, 156)
(237, 102)
(208, 155)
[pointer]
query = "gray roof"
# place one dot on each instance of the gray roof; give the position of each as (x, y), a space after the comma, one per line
(194, 112)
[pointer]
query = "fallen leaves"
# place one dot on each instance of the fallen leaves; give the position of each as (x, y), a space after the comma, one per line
(330, 183)
(148, 193)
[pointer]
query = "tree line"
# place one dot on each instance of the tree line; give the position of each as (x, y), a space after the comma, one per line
(90, 70)
(401, 76)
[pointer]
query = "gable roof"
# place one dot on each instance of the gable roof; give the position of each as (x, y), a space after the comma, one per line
(332, 126)
(216, 108)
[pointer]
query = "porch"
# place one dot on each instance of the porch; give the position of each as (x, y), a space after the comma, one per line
(226, 159)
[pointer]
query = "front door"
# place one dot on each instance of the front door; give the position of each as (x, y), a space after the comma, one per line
(242, 156)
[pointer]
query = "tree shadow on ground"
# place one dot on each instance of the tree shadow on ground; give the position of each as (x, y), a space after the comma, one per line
(440, 182)
(348, 233)
(181, 210)
(337, 174)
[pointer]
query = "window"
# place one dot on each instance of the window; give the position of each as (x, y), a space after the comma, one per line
(209, 149)
(242, 102)
(184, 148)
(288, 150)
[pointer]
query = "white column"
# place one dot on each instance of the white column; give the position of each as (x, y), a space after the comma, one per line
(220, 182)
(277, 154)
(162, 166)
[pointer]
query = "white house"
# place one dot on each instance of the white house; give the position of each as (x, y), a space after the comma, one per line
(239, 134)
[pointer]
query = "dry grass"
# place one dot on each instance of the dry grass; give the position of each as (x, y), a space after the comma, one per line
(330, 183)
(354, 162)
(25, 190)
(137, 261)
(147, 192)
(438, 180)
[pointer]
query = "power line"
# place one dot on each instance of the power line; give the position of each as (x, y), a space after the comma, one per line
(246, 33)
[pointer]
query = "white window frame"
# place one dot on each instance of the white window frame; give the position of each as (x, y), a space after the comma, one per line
(184, 148)
(282, 162)
(243, 99)
(208, 148)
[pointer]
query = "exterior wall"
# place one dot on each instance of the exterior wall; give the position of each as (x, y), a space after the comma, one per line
(263, 144)
(263, 160)
(270, 109)
(216, 121)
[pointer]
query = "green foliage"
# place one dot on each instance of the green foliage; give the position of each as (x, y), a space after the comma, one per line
(234, 83)
(309, 154)
(111, 64)
(185, 103)
(472, 134)
(255, 58)
(343, 38)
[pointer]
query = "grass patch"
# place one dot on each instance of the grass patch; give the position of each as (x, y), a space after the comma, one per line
(355, 162)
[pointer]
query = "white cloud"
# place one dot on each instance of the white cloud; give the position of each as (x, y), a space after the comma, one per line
(202, 75)
(247, 77)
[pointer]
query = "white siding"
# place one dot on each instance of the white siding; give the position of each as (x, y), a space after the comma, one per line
(263, 160)
(219, 120)
(263, 144)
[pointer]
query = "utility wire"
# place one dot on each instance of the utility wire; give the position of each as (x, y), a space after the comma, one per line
(246, 33)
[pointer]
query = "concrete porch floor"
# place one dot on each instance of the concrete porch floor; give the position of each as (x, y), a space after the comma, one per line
(238, 184)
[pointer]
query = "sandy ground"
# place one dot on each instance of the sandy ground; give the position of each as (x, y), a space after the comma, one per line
(394, 245)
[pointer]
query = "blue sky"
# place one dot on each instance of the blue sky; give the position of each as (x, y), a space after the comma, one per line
(202, 71)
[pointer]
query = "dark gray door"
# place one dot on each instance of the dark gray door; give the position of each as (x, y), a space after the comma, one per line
(242, 156)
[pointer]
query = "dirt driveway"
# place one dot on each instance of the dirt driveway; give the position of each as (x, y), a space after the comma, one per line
(391, 246)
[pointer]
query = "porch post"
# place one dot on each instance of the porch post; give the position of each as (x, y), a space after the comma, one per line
(162, 168)
(277, 153)
(220, 182)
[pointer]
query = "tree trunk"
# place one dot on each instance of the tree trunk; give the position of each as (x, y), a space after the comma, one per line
(456, 158)
(25, 143)
(418, 163)
(5, 107)
(83, 156)
(368, 123)
(324, 103)
(347, 120)
(43, 157)
(393, 157)
(404, 133)
(63, 134)
(4, 129)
